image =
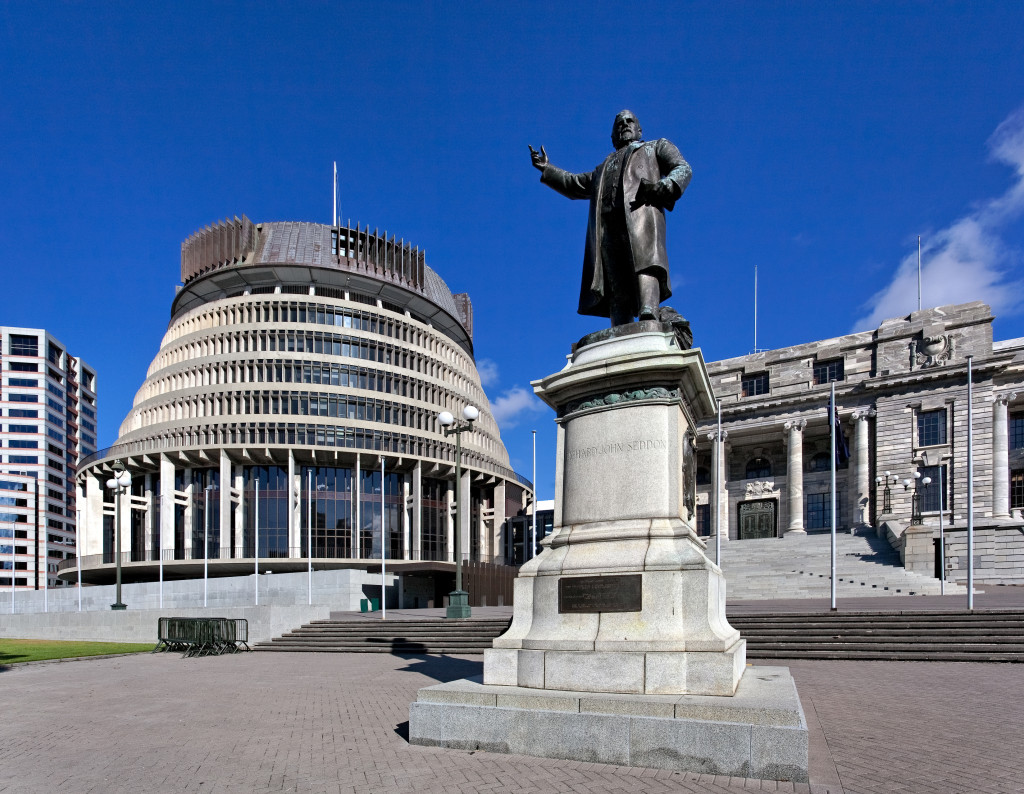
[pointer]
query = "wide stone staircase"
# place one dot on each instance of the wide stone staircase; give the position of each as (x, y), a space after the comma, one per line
(946, 636)
(427, 635)
(790, 567)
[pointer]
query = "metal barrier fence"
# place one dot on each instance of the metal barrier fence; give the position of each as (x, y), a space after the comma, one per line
(202, 636)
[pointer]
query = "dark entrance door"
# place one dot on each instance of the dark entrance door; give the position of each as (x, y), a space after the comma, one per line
(758, 519)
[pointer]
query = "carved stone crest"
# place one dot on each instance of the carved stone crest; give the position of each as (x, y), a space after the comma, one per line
(760, 488)
(656, 393)
(931, 351)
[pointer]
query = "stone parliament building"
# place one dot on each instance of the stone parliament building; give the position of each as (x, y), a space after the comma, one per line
(901, 393)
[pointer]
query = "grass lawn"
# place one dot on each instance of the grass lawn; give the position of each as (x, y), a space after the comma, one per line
(13, 651)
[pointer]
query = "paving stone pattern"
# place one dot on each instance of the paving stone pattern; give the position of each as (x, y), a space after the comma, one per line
(335, 723)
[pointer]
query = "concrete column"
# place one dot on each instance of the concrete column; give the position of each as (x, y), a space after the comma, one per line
(406, 500)
(238, 483)
(466, 524)
(417, 511)
(167, 505)
(189, 514)
(92, 518)
(861, 468)
(225, 505)
(719, 498)
(1000, 456)
(497, 546)
(795, 475)
(294, 507)
(151, 521)
(449, 498)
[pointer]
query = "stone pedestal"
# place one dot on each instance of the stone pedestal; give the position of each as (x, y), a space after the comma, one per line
(622, 602)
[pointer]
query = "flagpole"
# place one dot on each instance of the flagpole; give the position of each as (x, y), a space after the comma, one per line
(718, 489)
(942, 535)
(256, 539)
(919, 273)
(970, 485)
(533, 537)
(832, 552)
(334, 216)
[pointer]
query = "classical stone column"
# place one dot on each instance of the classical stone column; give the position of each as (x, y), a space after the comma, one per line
(719, 497)
(795, 475)
(1000, 457)
(861, 468)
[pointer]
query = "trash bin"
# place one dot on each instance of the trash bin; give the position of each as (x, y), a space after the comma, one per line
(364, 605)
(374, 604)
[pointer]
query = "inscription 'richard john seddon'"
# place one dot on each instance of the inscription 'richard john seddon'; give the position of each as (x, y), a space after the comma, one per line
(616, 447)
(600, 593)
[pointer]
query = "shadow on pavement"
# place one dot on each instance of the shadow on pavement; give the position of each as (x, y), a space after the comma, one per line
(442, 668)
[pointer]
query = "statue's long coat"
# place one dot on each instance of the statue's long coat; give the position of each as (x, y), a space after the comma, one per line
(650, 160)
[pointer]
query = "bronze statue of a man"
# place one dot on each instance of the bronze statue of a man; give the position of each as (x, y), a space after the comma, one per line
(625, 266)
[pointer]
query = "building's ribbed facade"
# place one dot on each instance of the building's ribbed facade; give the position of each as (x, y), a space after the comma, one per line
(49, 422)
(297, 355)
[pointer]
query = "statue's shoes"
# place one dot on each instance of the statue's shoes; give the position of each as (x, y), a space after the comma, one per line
(648, 313)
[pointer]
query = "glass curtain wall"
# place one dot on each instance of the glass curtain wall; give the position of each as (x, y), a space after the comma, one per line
(370, 514)
(434, 520)
(201, 479)
(332, 511)
(273, 511)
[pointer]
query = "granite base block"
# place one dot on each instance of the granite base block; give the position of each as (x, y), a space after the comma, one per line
(760, 732)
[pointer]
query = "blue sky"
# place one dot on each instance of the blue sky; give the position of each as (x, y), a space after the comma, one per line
(824, 137)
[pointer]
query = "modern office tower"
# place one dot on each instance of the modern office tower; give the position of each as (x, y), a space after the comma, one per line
(300, 358)
(48, 423)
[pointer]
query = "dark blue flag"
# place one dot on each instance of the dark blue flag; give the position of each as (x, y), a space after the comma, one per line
(842, 448)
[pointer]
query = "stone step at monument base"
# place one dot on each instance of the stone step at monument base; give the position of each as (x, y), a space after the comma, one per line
(760, 732)
(799, 567)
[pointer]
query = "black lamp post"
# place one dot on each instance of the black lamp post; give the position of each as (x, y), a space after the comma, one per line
(458, 599)
(888, 480)
(119, 484)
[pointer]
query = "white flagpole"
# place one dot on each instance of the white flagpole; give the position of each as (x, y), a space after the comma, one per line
(718, 488)
(334, 214)
(383, 544)
(755, 308)
(919, 273)
(832, 552)
(206, 544)
(533, 543)
(970, 485)
(256, 540)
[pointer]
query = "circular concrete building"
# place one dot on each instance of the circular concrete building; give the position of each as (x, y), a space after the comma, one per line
(301, 358)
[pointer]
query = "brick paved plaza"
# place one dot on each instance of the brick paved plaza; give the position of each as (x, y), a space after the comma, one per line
(335, 723)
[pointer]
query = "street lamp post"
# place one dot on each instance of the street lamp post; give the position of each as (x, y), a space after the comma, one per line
(889, 480)
(119, 484)
(915, 499)
(458, 599)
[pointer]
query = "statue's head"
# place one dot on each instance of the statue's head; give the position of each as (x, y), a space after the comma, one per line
(626, 129)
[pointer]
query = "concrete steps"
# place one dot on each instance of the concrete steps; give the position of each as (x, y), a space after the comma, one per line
(988, 636)
(428, 636)
(799, 567)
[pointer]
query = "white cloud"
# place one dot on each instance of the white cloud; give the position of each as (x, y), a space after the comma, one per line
(968, 260)
(488, 371)
(515, 404)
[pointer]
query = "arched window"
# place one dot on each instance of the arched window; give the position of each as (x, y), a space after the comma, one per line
(821, 462)
(758, 467)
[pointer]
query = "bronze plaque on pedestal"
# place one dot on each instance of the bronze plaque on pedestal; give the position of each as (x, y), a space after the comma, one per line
(600, 593)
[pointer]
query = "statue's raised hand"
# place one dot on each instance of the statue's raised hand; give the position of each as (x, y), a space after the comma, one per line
(540, 159)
